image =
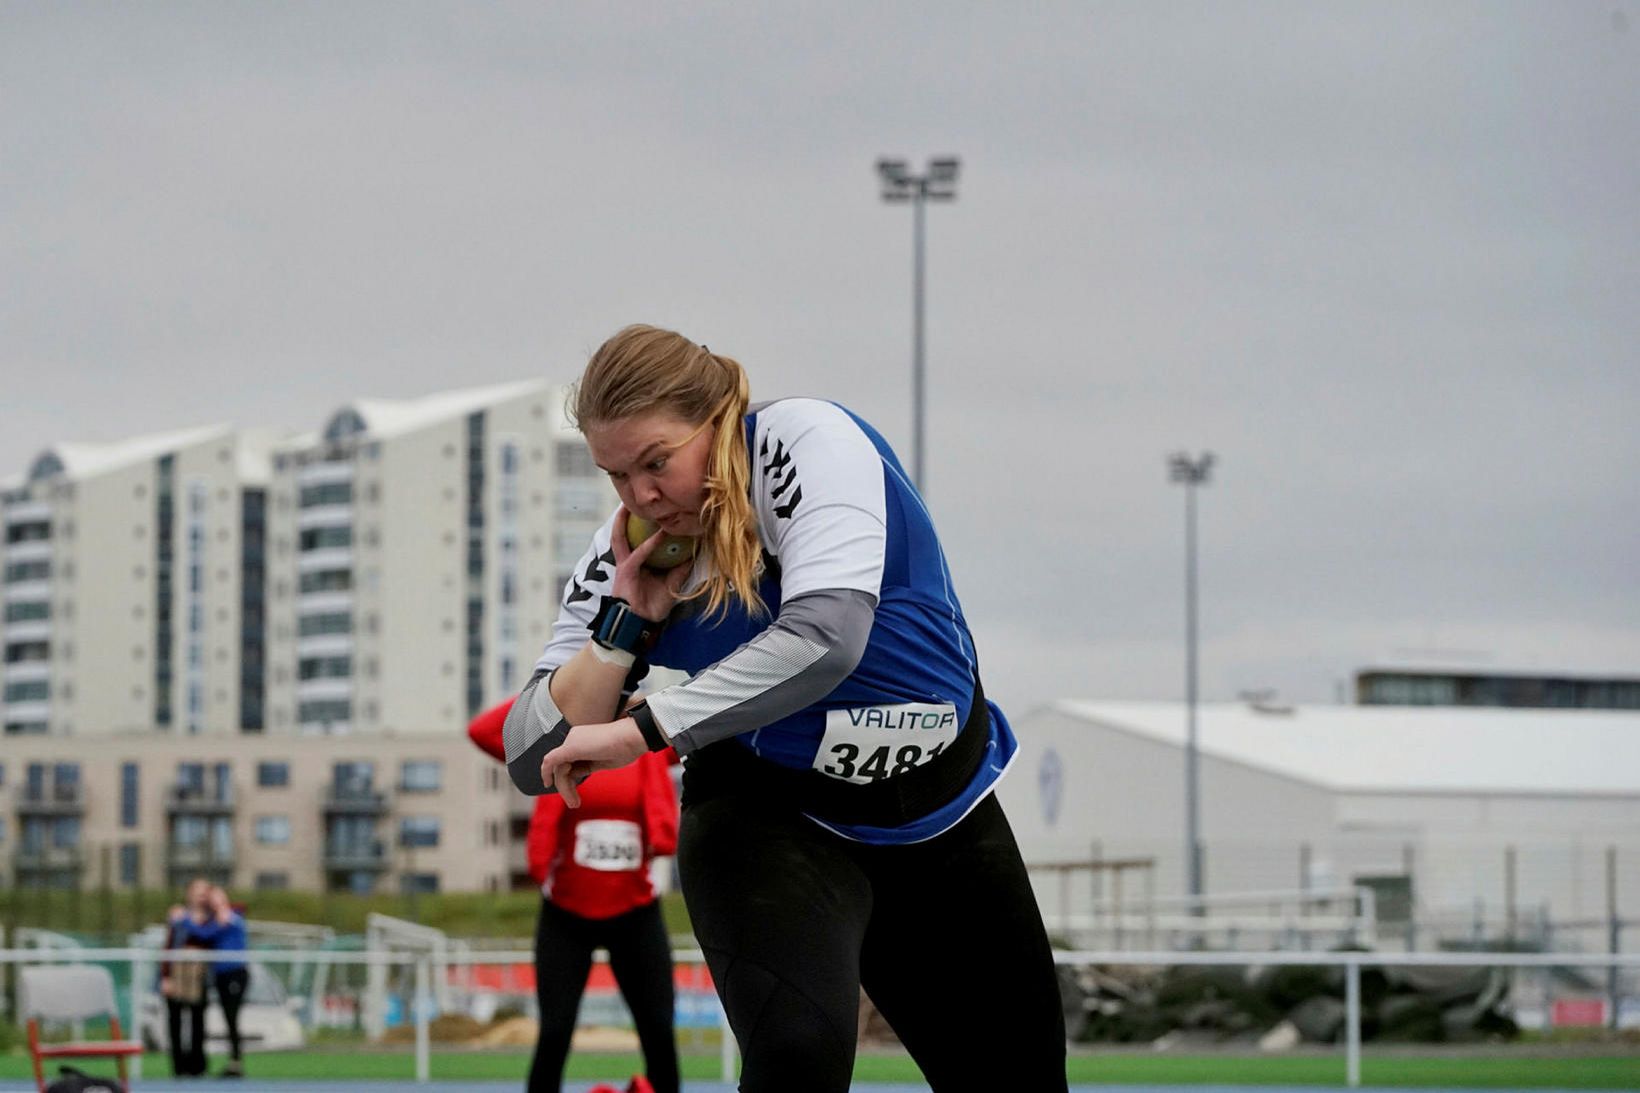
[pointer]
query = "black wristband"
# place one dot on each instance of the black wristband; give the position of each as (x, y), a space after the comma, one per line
(617, 626)
(645, 717)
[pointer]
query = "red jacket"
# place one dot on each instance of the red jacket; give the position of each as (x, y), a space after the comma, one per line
(593, 861)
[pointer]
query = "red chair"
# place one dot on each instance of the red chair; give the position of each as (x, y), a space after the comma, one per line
(72, 992)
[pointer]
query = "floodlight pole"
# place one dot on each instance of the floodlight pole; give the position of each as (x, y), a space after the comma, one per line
(1191, 473)
(937, 183)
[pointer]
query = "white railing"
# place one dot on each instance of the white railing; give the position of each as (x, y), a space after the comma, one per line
(423, 966)
(1352, 963)
(1284, 919)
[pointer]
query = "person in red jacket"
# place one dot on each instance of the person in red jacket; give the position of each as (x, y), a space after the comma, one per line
(592, 864)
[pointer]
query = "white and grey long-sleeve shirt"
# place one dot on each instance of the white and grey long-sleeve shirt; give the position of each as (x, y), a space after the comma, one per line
(865, 667)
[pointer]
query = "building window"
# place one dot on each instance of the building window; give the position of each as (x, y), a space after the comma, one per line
(271, 774)
(273, 830)
(418, 831)
(330, 711)
(327, 580)
(327, 493)
(272, 882)
(128, 794)
(420, 776)
(131, 864)
(66, 781)
(28, 690)
(476, 432)
(353, 778)
(335, 622)
(322, 538)
(35, 570)
(420, 883)
(28, 652)
(28, 611)
(253, 576)
(574, 460)
(339, 667)
(65, 832)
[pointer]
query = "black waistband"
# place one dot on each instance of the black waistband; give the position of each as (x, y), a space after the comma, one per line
(730, 767)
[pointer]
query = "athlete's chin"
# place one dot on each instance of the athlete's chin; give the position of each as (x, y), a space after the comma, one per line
(681, 523)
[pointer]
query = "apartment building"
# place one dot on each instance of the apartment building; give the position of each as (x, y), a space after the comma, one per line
(277, 639)
(346, 813)
(132, 586)
(418, 551)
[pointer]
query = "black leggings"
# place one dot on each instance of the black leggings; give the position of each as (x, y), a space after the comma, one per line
(230, 991)
(185, 1022)
(944, 936)
(641, 958)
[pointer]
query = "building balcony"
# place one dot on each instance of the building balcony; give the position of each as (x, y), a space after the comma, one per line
(29, 550)
(322, 471)
(323, 688)
(325, 516)
(33, 861)
(321, 645)
(355, 801)
(26, 671)
(32, 591)
(199, 858)
(57, 801)
(350, 857)
(321, 603)
(27, 512)
(27, 630)
(326, 557)
(191, 800)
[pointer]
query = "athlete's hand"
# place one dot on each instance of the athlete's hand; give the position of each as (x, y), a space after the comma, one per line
(652, 595)
(590, 748)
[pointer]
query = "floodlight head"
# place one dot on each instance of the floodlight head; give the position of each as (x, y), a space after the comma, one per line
(943, 169)
(893, 171)
(1181, 468)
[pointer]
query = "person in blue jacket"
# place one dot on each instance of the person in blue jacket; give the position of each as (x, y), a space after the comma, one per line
(840, 828)
(222, 926)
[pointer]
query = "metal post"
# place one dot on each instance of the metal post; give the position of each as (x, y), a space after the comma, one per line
(1352, 1022)
(1191, 473)
(1509, 911)
(937, 183)
(1409, 862)
(421, 1004)
(1614, 929)
(1192, 769)
(918, 378)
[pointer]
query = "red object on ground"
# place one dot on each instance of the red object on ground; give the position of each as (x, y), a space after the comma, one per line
(1577, 1013)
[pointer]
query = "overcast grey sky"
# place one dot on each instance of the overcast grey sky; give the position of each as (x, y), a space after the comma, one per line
(1382, 258)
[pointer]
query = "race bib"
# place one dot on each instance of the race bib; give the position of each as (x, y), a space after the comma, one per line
(871, 743)
(613, 846)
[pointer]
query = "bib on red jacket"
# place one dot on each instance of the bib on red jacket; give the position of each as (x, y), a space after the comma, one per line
(593, 861)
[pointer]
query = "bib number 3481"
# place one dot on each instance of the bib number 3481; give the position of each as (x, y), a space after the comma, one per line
(871, 743)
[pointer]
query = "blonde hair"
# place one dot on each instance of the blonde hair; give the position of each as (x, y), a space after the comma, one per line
(644, 369)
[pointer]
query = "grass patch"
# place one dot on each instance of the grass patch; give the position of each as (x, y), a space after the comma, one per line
(1502, 1071)
(106, 916)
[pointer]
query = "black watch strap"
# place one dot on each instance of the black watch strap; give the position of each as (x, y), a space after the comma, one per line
(617, 626)
(652, 735)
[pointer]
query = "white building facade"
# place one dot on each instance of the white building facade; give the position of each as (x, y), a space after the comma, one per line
(277, 642)
(418, 554)
(131, 586)
(1473, 825)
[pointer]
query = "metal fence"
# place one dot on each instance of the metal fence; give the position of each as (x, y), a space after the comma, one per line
(425, 969)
